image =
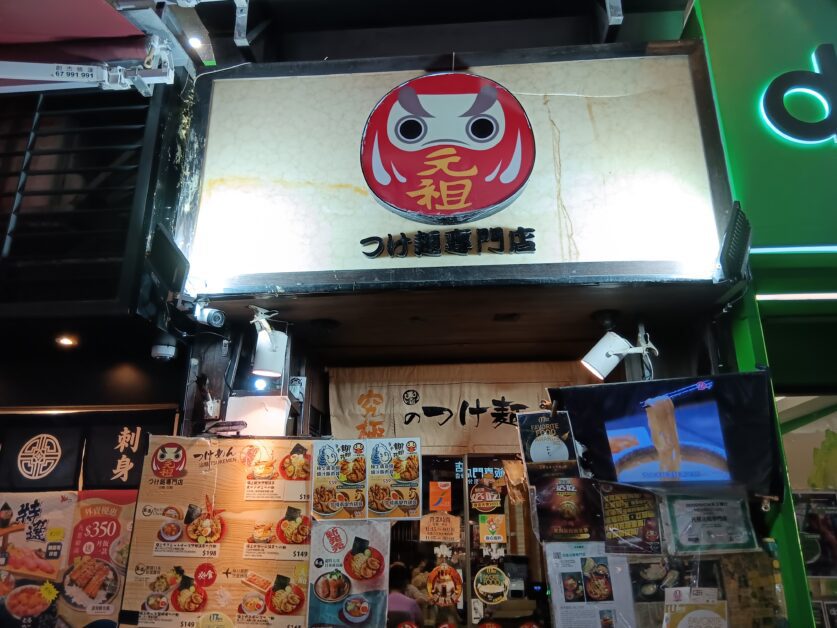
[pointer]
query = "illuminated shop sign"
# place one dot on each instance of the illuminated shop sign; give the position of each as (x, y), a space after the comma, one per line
(820, 84)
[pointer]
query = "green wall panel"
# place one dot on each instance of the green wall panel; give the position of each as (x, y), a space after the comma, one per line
(788, 190)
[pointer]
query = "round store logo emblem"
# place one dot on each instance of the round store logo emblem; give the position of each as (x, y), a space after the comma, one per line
(38, 457)
(169, 461)
(447, 148)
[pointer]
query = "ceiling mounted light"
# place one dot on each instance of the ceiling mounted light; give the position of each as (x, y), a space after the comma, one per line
(66, 341)
(271, 346)
(195, 42)
(608, 352)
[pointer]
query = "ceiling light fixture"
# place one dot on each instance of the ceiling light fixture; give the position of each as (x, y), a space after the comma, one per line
(66, 341)
(608, 352)
(271, 346)
(196, 42)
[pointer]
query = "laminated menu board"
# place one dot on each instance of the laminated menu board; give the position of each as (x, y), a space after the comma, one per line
(631, 519)
(35, 531)
(589, 588)
(221, 534)
(349, 573)
(395, 478)
(98, 557)
(340, 479)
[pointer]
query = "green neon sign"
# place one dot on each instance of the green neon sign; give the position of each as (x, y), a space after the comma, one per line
(820, 84)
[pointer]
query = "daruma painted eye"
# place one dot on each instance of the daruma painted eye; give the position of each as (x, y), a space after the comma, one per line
(411, 129)
(447, 149)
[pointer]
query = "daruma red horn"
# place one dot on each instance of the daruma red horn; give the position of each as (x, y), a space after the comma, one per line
(447, 149)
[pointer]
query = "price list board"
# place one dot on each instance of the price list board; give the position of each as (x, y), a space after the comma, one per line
(221, 534)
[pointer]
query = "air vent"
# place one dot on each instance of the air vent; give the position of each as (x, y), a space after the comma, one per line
(70, 189)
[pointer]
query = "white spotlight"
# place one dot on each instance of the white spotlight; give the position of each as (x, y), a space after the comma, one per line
(271, 346)
(608, 352)
(195, 42)
(260, 384)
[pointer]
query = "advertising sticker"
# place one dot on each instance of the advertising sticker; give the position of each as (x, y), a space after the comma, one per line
(491, 585)
(493, 528)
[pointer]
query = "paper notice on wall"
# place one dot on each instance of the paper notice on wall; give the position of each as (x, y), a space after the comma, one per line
(589, 588)
(440, 527)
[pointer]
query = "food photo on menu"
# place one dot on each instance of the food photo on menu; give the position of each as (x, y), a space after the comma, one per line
(35, 529)
(395, 478)
(348, 581)
(340, 480)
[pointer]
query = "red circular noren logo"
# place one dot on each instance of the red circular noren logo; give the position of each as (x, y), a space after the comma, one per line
(447, 148)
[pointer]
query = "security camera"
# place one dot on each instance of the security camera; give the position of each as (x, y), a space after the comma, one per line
(164, 347)
(210, 316)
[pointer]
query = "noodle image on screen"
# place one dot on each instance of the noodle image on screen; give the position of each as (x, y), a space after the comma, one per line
(671, 437)
(663, 427)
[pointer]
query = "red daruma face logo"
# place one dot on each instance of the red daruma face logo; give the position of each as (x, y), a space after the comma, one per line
(447, 149)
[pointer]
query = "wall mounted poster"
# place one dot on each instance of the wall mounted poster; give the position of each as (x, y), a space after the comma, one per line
(35, 531)
(589, 588)
(816, 516)
(221, 533)
(349, 574)
(98, 557)
(340, 486)
(568, 509)
(694, 525)
(546, 440)
(395, 478)
(631, 519)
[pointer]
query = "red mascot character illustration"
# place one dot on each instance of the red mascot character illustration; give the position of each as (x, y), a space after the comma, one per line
(169, 461)
(448, 148)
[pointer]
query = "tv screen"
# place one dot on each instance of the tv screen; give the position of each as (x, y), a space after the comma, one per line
(694, 430)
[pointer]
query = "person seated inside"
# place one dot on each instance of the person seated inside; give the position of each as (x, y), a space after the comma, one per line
(400, 606)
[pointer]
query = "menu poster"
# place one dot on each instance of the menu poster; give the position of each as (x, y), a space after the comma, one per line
(98, 557)
(349, 573)
(35, 532)
(694, 525)
(221, 534)
(589, 589)
(486, 495)
(631, 520)
(546, 440)
(394, 478)
(568, 509)
(816, 516)
(340, 479)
